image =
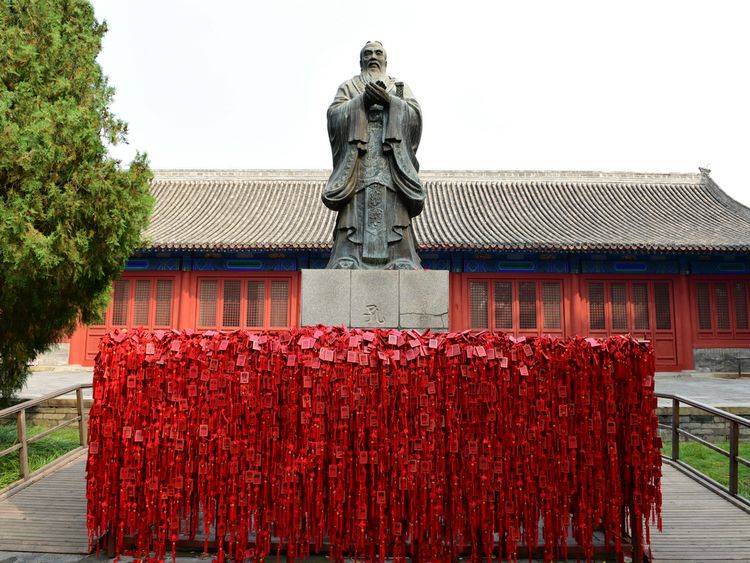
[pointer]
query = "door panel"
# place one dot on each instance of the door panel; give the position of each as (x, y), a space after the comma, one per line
(642, 308)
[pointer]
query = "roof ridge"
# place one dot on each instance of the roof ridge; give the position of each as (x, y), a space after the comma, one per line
(243, 209)
(588, 176)
(560, 175)
(229, 173)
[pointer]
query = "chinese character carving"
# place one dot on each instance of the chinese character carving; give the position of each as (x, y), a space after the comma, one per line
(373, 315)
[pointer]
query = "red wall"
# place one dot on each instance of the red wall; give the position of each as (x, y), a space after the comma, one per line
(184, 311)
(674, 347)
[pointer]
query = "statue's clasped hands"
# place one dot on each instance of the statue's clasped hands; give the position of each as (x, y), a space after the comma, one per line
(375, 94)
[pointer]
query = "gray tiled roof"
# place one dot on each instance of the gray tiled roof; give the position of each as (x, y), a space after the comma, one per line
(281, 209)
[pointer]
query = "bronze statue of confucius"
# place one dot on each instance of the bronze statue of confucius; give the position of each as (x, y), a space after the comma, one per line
(374, 126)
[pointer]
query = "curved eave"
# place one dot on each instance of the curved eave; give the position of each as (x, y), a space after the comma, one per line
(590, 247)
(571, 248)
(233, 247)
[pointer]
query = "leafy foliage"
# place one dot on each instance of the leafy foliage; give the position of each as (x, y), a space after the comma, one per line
(70, 215)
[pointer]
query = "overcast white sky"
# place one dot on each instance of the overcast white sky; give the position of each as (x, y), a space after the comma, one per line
(646, 86)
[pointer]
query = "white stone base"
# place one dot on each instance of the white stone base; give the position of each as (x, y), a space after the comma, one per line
(375, 298)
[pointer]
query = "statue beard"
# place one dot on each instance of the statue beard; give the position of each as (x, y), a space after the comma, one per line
(373, 75)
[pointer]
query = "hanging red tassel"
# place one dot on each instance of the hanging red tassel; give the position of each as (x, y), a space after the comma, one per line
(382, 443)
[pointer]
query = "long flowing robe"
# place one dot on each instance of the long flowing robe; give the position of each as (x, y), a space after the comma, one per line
(361, 163)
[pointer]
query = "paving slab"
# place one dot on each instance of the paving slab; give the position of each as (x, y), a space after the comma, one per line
(715, 391)
(41, 383)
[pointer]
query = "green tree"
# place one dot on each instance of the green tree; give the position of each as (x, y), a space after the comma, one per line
(70, 214)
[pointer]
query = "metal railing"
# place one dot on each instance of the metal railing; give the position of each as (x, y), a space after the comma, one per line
(19, 411)
(734, 422)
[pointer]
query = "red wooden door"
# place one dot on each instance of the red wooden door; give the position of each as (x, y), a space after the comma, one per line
(137, 301)
(642, 308)
(526, 306)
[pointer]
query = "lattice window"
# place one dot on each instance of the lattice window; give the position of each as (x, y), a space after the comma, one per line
(478, 300)
(740, 306)
(662, 306)
(504, 305)
(279, 303)
(163, 315)
(640, 306)
(515, 306)
(231, 309)
(120, 305)
(596, 306)
(722, 306)
(704, 306)
(619, 307)
(552, 300)
(141, 303)
(207, 294)
(253, 303)
(527, 305)
(256, 296)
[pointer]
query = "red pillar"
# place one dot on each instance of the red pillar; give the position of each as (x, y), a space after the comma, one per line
(187, 301)
(455, 302)
(578, 324)
(683, 319)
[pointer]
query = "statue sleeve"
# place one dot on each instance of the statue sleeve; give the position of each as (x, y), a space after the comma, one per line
(405, 123)
(402, 136)
(347, 127)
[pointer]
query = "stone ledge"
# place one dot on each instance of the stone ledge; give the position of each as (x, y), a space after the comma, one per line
(375, 298)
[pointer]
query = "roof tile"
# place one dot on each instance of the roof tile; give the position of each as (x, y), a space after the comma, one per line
(465, 210)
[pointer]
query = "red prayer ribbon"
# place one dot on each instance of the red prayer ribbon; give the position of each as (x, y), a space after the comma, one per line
(375, 443)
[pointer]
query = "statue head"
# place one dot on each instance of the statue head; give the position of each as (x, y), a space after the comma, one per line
(373, 57)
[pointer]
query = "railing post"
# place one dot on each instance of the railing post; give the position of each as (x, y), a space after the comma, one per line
(675, 429)
(82, 430)
(23, 453)
(635, 538)
(734, 443)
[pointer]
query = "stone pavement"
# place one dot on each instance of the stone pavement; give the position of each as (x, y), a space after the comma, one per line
(43, 382)
(715, 391)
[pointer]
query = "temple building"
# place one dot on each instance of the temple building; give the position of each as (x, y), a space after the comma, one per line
(664, 257)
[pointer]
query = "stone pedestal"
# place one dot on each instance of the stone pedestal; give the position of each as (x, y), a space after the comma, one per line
(375, 298)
